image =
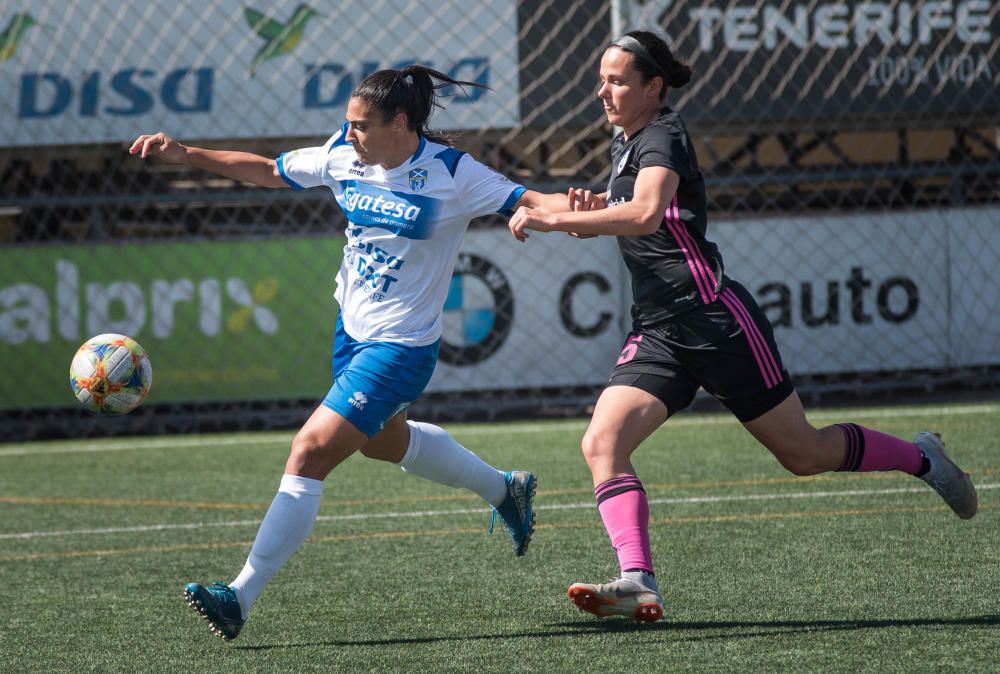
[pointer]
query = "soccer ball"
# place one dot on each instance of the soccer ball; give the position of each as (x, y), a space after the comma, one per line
(111, 374)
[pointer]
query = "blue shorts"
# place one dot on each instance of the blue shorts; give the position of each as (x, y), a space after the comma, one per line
(375, 381)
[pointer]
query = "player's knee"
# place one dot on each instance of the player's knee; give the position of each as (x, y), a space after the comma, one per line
(805, 451)
(305, 442)
(819, 451)
(597, 447)
(802, 464)
(373, 451)
(309, 455)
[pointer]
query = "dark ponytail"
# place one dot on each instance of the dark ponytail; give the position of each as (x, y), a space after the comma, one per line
(411, 90)
(651, 57)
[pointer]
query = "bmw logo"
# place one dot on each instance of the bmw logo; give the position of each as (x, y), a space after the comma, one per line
(478, 312)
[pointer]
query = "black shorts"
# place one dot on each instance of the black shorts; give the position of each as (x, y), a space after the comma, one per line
(726, 347)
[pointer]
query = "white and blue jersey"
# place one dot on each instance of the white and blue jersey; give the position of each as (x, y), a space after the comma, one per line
(404, 232)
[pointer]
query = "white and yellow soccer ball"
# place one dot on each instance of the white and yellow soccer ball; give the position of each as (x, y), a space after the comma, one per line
(111, 374)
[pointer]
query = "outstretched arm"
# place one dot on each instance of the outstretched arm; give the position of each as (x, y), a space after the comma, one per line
(576, 199)
(545, 202)
(243, 166)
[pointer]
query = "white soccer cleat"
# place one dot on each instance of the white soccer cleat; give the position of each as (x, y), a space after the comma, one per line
(946, 478)
(619, 597)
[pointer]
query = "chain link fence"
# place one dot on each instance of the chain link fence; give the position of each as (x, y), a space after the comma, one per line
(850, 150)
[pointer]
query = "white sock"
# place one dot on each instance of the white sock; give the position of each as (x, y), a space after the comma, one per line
(434, 455)
(286, 525)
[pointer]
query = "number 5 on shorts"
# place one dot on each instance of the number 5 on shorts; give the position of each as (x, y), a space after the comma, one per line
(629, 350)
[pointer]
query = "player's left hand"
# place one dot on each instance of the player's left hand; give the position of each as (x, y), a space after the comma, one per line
(528, 218)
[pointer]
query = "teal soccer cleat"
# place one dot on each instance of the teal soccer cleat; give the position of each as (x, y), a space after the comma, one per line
(515, 512)
(218, 605)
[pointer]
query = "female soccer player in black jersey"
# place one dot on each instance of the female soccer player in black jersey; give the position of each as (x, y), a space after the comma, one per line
(692, 326)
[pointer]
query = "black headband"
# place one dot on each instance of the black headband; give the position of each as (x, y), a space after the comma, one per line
(633, 46)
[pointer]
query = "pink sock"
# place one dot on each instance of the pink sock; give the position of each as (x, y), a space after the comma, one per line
(625, 511)
(869, 450)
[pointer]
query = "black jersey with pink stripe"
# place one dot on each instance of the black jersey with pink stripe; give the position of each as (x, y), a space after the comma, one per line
(675, 268)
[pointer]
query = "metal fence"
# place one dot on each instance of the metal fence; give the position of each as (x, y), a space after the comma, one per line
(850, 149)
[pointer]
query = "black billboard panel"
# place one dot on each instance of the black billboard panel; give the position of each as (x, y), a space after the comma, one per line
(817, 63)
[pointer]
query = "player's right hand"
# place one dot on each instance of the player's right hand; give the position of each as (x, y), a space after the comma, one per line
(585, 200)
(159, 145)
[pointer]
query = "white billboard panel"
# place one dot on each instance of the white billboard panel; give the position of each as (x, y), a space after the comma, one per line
(104, 72)
(566, 323)
(845, 294)
(973, 242)
(850, 293)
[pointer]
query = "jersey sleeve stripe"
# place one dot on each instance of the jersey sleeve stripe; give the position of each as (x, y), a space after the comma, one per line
(450, 156)
(338, 139)
(508, 205)
(281, 171)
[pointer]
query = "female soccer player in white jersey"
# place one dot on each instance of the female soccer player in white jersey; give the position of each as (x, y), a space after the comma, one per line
(692, 326)
(408, 197)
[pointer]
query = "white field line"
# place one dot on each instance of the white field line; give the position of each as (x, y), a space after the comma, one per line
(463, 431)
(773, 496)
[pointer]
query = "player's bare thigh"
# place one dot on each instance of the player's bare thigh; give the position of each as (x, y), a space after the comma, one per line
(623, 417)
(391, 442)
(800, 447)
(323, 442)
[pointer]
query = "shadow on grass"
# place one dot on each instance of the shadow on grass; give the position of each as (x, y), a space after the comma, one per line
(681, 631)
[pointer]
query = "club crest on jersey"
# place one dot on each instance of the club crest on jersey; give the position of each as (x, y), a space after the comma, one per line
(418, 178)
(623, 161)
(357, 168)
